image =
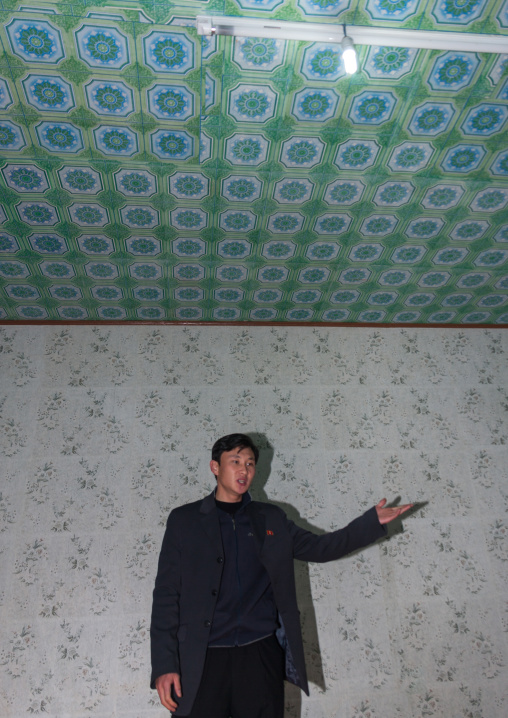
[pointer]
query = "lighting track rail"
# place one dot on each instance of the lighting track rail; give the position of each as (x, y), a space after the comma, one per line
(361, 35)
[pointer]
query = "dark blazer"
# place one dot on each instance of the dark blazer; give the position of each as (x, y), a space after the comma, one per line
(189, 576)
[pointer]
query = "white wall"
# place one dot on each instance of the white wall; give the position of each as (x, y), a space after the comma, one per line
(104, 429)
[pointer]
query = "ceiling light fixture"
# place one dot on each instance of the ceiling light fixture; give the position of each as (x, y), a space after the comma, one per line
(363, 35)
(348, 54)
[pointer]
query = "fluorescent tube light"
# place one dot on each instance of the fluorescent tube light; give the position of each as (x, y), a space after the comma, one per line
(362, 35)
(349, 55)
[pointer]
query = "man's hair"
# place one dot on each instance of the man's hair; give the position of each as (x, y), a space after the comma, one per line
(233, 441)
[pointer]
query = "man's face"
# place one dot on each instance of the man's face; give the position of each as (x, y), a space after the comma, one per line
(234, 474)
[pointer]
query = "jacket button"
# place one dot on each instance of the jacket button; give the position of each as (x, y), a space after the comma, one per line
(220, 559)
(208, 624)
(214, 592)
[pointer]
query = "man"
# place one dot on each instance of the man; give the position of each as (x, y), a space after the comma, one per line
(225, 628)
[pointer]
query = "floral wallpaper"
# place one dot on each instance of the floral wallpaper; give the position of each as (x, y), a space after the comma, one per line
(103, 429)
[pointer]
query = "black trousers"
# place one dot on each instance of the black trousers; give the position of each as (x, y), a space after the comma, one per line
(242, 682)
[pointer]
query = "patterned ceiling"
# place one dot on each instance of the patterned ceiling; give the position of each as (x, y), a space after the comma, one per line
(151, 174)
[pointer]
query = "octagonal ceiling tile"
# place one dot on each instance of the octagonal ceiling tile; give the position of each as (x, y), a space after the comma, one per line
(500, 165)
(148, 294)
(95, 244)
(314, 275)
(322, 250)
(490, 200)
(145, 270)
(278, 249)
(365, 252)
(169, 52)
(378, 225)
(389, 62)
(285, 222)
(112, 313)
(345, 296)
(431, 118)
(60, 137)
(102, 47)
(442, 196)
(471, 280)
(48, 243)
(101, 270)
(293, 190)
(65, 292)
(132, 183)
(268, 296)
(35, 41)
(106, 293)
(237, 220)
(395, 277)
(189, 272)
(469, 230)
(8, 243)
(457, 11)
(452, 71)
(11, 136)
(463, 158)
(229, 273)
(143, 245)
(14, 270)
(331, 223)
(500, 236)
(241, 188)
(88, 215)
(273, 274)
(48, 93)
(37, 213)
(110, 98)
(25, 178)
(57, 270)
(139, 216)
(188, 247)
(171, 102)
(252, 103)
(393, 194)
(411, 156)
(408, 254)
(356, 154)
(171, 144)
(314, 104)
(189, 219)
(424, 227)
(485, 120)
(22, 292)
(450, 255)
(434, 279)
(372, 108)
(246, 150)
(258, 54)
(420, 299)
(189, 294)
(5, 95)
(119, 141)
(189, 185)
(323, 62)
(82, 180)
(382, 10)
(234, 248)
(354, 276)
(344, 192)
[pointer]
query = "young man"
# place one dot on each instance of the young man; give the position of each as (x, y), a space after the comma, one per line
(225, 628)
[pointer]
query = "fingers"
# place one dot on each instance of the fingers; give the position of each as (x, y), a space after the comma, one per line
(381, 504)
(164, 684)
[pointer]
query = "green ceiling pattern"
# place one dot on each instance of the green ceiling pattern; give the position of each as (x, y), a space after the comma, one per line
(147, 173)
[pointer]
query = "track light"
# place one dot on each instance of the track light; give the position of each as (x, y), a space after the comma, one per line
(329, 32)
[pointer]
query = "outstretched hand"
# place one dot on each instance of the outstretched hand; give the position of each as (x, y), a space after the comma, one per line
(386, 513)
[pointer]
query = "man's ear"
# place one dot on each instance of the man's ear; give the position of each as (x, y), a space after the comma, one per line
(214, 467)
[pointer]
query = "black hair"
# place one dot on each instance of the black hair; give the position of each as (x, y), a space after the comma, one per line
(233, 441)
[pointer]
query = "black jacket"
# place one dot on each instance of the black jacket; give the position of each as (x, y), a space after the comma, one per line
(189, 575)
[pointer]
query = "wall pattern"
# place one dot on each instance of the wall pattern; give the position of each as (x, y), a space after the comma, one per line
(104, 430)
(149, 174)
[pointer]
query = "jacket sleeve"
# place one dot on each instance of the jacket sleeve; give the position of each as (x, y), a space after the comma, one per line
(166, 605)
(361, 532)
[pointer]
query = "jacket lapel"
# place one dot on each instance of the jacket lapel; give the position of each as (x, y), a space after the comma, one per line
(210, 521)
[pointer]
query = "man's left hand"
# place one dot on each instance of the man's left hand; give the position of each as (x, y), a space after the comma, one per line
(386, 513)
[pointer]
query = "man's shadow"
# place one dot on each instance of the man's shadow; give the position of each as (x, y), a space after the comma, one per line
(314, 665)
(313, 661)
